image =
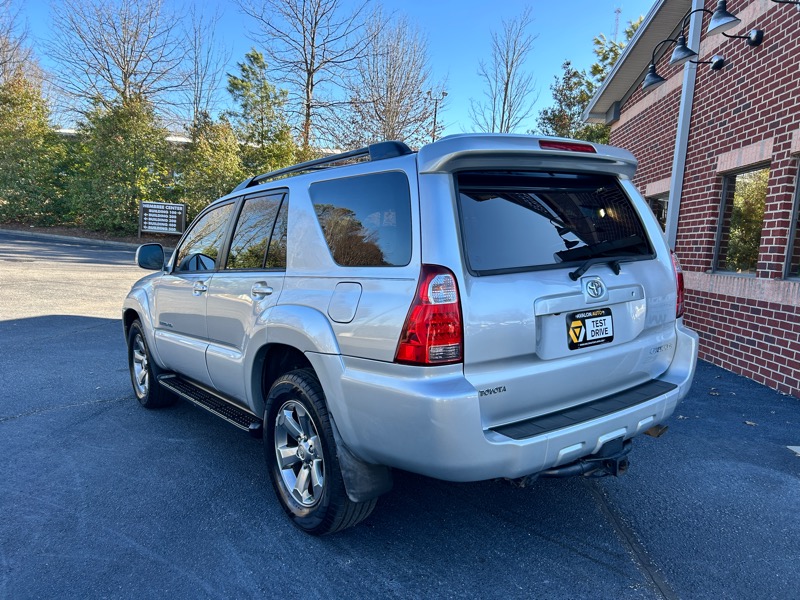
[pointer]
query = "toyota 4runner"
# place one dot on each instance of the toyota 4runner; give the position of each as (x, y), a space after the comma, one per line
(491, 306)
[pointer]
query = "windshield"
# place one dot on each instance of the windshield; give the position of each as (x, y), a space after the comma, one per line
(515, 221)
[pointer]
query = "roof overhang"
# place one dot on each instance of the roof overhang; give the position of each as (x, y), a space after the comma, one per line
(659, 24)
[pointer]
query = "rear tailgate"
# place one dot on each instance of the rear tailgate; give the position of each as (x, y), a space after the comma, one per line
(567, 298)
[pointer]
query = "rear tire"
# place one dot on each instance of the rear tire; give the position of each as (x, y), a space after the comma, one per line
(300, 451)
(144, 371)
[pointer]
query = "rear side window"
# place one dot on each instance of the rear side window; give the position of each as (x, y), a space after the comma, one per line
(526, 221)
(366, 220)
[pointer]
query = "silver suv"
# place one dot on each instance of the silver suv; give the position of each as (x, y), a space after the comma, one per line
(491, 306)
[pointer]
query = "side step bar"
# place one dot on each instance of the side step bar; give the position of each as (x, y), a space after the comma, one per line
(241, 418)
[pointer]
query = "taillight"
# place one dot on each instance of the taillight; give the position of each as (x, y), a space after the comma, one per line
(432, 334)
(568, 146)
(679, 276)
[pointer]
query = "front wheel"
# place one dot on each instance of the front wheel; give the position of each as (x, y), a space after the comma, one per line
(144, 371)
(301, 457)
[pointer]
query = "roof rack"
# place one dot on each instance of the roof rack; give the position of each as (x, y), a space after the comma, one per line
(378, 151)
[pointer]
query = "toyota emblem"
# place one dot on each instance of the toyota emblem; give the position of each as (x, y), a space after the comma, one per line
(595, 288)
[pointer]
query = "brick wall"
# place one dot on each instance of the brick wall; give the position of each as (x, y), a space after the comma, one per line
(753, 338)
(744, 115)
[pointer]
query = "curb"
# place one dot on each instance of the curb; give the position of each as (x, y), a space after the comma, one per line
(68, 238)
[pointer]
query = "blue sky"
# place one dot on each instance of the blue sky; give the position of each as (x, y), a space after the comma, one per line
(459, 36)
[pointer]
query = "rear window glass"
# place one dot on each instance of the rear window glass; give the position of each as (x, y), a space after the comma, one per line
(524, 221)
(366, 220)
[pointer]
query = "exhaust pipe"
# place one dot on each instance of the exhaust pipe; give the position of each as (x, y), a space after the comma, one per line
(657, 431)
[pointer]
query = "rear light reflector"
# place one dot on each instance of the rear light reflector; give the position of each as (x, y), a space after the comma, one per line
(432, 334)
(567, 146)
(679, 277)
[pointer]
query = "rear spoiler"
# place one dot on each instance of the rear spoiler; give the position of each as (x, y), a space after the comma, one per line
(505, 151)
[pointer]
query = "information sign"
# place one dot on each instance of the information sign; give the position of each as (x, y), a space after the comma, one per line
(162, 217)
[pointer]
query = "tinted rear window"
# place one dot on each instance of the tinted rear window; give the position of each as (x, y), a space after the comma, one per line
(524, 221)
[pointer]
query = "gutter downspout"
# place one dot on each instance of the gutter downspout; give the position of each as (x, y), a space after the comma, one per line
(682, 133)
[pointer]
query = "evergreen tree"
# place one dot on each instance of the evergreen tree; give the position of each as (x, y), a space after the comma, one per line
(608, 51)
(211, 165)
(571, 94)
(573, 90)
(259, 122)
(30, 156)
(121, 160)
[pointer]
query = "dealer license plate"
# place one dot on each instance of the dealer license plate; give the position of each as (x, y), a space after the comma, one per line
(589, 328)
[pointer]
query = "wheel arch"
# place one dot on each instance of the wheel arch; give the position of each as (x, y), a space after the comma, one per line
(137, 306)
(362, 481)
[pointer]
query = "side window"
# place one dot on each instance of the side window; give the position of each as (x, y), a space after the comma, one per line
(203, 245)
(366, 220)
(744, 197)
(253, 229)
(276, 257)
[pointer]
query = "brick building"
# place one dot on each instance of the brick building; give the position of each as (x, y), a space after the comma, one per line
(719, 152)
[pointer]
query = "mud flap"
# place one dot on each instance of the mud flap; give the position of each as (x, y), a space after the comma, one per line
(362, 481)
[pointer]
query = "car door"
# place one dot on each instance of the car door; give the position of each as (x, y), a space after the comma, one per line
(248, 284)
(180, 296)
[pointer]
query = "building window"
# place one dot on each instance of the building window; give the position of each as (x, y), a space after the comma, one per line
(793, 260)
(658, 204)
(744, 196)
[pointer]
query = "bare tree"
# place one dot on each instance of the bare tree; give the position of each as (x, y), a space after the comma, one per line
(509, 88)
(206, 59)
(389, 97)
(14, 54)
(310, 44)
(109, 51)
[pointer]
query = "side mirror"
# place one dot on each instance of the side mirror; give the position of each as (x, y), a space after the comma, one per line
(150, 256)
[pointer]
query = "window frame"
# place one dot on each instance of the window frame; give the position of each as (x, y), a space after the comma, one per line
(662, 198)
(726, 179)
(794, 226)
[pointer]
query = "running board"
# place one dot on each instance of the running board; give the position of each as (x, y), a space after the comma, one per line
(233, 414)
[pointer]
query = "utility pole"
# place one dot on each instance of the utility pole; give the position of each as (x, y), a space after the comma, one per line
(436, 100)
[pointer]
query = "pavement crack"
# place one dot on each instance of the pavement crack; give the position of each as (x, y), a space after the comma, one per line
(47, 409)
(628, 537)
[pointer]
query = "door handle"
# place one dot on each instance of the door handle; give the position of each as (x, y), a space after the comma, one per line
(260, 289)
(199, 287)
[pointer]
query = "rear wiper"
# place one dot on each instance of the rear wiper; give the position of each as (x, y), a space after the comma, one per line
(613, 263)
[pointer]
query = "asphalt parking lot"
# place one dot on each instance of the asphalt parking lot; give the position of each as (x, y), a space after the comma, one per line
(100, 498)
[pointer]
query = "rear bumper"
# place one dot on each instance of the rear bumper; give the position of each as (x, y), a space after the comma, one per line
(428, 421)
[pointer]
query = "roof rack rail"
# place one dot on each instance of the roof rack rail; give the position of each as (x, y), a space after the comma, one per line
(378, 151)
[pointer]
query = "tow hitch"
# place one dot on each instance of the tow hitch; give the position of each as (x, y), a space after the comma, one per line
(612, 459)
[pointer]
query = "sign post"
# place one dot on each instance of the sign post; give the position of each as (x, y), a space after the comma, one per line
(162, 217)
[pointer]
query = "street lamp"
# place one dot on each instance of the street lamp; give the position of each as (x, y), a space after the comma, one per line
(436, 99)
